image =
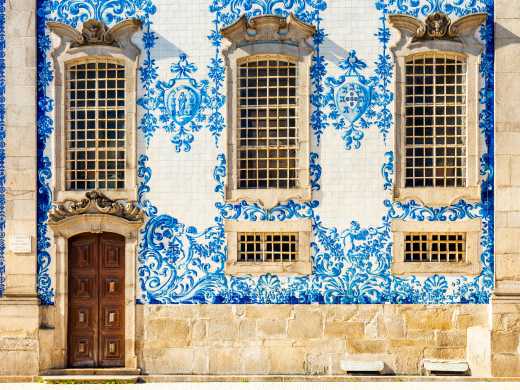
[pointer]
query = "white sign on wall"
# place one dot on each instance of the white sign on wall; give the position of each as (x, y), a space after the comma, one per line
(20, 244)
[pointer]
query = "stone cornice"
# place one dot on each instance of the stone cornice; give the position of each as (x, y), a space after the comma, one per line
(268, 28)
(96, 202)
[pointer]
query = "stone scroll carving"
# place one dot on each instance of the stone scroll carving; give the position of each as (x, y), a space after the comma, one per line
(96, 33)
(95, 202)
(438, 26)
(268, 28)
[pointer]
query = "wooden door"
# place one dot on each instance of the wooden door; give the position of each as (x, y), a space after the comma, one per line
(96, 326)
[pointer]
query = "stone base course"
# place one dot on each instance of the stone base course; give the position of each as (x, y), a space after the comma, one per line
(303, 339)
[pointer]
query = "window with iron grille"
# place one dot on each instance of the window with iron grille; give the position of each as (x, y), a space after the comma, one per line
(259, 247)
(267, 144)
(95, 125)
(435, 120)
(435, 247)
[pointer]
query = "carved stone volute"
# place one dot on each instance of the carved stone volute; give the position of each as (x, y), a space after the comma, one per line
(438, 27)
(96, 33)
(95, 202)
(265, 28)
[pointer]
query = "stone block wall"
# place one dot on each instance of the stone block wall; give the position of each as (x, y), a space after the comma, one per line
(506, 303)
(19, 311)
(302, 339)
(19, 337)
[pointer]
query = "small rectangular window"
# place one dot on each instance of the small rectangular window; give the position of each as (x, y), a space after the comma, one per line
(267, 132)
(435, 247)
(95, 125)
(435, 120)
(259, 247)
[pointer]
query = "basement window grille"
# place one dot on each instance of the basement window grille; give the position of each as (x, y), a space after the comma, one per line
(435, 247)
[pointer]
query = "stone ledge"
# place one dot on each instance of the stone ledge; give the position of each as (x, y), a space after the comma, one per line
(17, 299)
(445, 366)
(362, 366)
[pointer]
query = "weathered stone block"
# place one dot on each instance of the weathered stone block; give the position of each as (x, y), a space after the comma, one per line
(408, 360)
(428, 319)
(287, 360)
(445, 353)
(247, 329)
(306, 325)
(450, 338)
(505, 364)
(167, 333)
(222, 329)
(272, 328)
(169, 360)
(255, 360)
(316, 364)
(199, 330)
(505, 342)
(268, 311)
(344, 329)
(224, 360)
(355, 346)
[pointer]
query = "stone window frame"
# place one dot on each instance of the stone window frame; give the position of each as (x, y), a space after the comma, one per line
(472, 265)
(458, 38)
(74, 47)
(269, 35)
(303, 266)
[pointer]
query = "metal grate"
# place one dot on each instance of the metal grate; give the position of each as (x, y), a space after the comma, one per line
(267, 116)
(435, 121)
(95, 125)
(267, 247)
(435, 247)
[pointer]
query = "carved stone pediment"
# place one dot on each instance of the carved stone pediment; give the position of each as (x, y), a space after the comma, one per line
(438, 26)
(268, 28)
(95, 33)
(95, 202)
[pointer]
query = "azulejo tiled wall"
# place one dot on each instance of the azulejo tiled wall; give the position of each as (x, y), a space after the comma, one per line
(182, 164)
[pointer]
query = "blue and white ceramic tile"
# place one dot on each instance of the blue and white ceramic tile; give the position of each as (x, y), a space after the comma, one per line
(351, 101)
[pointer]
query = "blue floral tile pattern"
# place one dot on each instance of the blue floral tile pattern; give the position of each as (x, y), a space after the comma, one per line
(180, 263)
(349, 98)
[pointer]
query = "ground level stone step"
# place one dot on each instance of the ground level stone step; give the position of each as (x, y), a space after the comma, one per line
(92, 371)
(88, 379)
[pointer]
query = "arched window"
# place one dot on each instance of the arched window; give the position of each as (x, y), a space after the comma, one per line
(95, 94)
(435, 120)
(437, 142)
(95, 131)
(267, 130)
(268, 61)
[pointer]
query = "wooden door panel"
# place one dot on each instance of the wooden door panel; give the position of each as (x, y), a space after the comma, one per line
(83, 301)
(83, 254)
(83, 318)
(112, 288)
(83, 287)
(96, 301)
(111, 350)
(83, 351)
(112, 324)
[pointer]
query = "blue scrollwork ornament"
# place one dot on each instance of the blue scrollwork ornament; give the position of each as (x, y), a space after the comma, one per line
(183, 101)
(349, 98)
